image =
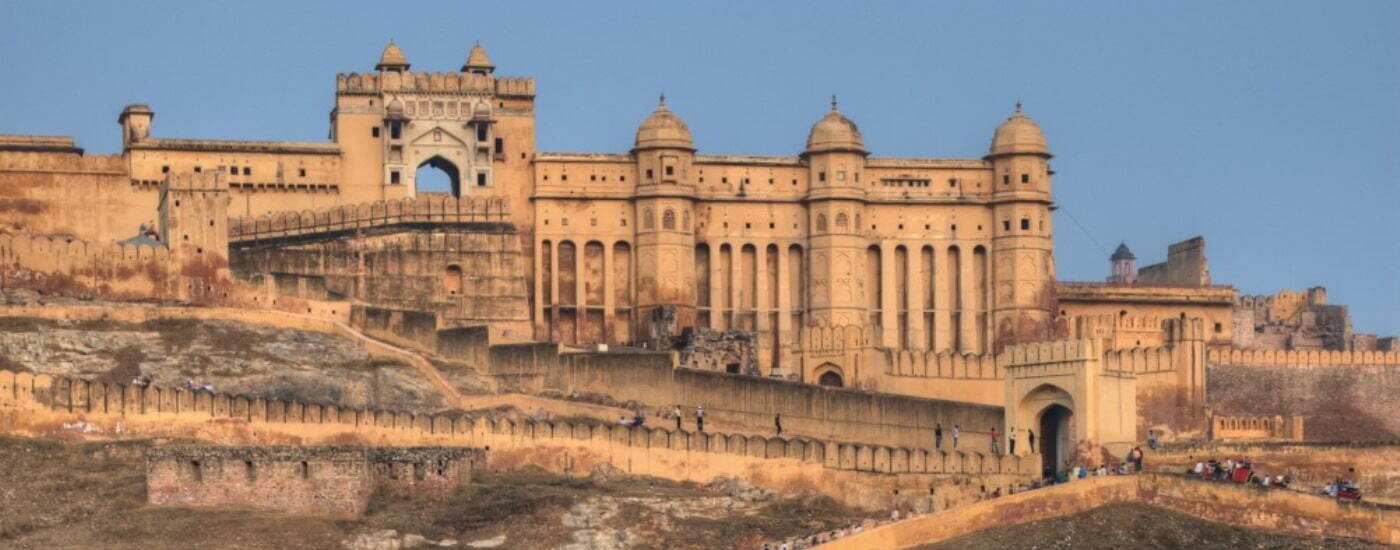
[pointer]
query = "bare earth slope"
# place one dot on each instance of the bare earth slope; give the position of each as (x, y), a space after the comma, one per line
(235, 358)
(1135, 526)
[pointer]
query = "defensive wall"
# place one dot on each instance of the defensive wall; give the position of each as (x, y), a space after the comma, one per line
(1309, 465)
(335, 481)
(654, 379)
(62, 194)
(1339, 402)
(865, 475)
(1302, 358)
(1275, 510)
(459, 258)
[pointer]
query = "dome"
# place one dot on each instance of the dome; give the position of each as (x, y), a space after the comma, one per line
(664, 129)
(392, 58)
(835, 132)
(477, 59)
(1019, 134)
(395, 107)
(1122, 253)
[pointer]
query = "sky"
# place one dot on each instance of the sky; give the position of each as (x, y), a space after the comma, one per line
(1270, 128)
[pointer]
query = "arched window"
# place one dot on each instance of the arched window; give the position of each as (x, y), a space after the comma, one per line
(821, 222)
(648, 219)
(841, 220)
(668, 219)
(452, 280)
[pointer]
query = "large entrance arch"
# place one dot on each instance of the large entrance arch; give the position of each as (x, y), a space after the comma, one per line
(830, 375)
(1053, 434)
(438, 175)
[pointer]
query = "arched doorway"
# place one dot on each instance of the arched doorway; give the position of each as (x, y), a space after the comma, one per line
(830, 375)
(438, 175)
(452, 280)
(1053, 429)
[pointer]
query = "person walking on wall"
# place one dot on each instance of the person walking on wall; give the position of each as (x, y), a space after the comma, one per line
(1030, 438)
(700, 418)
(1011, 436)
(996, 442)
(678, 416)
(956, 433)
(778, 423)
(1152, 439)
(938, 436)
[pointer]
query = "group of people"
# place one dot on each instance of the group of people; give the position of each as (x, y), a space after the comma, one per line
(1238, 471)
(996, 438)
(674, 412)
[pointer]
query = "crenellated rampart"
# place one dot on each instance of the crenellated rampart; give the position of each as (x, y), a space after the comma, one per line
(427, 208)
(42, 404)
(1302, 358)
(1256, 427)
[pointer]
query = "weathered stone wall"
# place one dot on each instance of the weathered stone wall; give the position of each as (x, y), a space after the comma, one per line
(1185, 265)
(334, 481)
(1338, 403)
(1309, 465)
(858, 474)
(472, 273)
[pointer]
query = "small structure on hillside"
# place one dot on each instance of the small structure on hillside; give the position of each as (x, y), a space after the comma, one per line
(334, 481)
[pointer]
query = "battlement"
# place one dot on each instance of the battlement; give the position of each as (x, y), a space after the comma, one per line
(427, 208)
(1059, 351)
(353, 83)
(1303, 358)
(60, 162)
(942, 364)
(33, 143)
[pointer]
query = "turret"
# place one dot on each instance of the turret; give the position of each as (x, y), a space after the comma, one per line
(665, 201)
(835, 157)
(1122, 265)
(136, 123)
(1023, 267)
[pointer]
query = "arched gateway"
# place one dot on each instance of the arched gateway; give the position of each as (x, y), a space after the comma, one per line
(1076, 408)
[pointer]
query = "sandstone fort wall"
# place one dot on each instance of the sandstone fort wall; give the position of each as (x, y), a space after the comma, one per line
(336, 481)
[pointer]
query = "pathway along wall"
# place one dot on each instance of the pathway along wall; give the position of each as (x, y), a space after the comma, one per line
(869, 476)
(1276, 510)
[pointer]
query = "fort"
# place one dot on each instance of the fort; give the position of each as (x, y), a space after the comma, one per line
(830, 311)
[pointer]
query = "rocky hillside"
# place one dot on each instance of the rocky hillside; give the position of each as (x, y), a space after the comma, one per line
(233, 357)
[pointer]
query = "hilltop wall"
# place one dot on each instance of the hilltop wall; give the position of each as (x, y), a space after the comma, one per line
(66, 195)
(858, 474)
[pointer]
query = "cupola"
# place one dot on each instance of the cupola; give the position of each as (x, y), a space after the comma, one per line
(834, 133)
(392, 59)
(478, 62)
(1019, 135)
(663, 129)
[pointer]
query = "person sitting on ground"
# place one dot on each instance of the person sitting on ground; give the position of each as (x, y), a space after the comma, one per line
(1199, 469)
(624, 421)
(638, 420)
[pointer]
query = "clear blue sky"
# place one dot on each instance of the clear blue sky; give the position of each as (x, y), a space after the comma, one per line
(1271, 128)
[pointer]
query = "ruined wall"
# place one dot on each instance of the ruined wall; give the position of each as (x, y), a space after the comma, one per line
(1185, 265)
(335, 481)
(730, 351)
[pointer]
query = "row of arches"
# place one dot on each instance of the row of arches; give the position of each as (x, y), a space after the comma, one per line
(934, 297)
(586, 292)
(753, 287)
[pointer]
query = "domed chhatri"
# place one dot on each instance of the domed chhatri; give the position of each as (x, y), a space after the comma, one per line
(1019, 135)
(392, 59)
(1122, 253)
(478, 61)
(835, 133)
(663, 129)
